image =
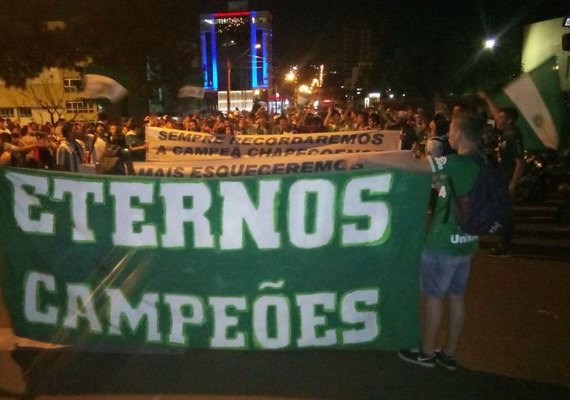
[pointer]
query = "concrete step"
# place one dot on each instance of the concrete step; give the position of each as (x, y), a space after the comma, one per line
(538, 210)
(545, 231)
(531, 241)
(546, 212)
(532, 247)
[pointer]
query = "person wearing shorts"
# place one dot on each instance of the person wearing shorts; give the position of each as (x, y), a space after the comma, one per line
(446, 258)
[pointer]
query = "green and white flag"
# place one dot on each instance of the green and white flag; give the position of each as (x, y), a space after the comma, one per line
(272, 262)
(104, 84)
(538, 98)
(191, 92)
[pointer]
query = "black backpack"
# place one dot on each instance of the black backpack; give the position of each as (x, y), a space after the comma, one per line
(114, 161)
(487, 206)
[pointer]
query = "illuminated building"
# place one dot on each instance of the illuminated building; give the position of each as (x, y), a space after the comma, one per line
(241, 40)
(55, 93)
(544, 39)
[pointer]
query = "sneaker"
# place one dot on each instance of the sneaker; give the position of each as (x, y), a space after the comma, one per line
(449, 362)
(499, 251)
(417, 357)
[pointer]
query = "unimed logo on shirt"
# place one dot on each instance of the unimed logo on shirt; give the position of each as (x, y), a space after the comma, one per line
(440, 162)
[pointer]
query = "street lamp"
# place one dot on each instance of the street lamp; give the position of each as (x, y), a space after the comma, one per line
(229, 67)
(490, 44)
(291, 78)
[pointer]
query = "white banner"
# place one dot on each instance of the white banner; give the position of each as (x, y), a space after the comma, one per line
(177, 145)
(238, 167)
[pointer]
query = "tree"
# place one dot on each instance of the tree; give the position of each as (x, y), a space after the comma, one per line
(48, 97)
(120, 34)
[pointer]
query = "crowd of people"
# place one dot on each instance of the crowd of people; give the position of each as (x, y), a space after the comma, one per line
(66, 145)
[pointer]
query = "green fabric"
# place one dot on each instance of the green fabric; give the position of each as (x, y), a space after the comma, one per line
(444, 234)
(543, 86)
(66, 280)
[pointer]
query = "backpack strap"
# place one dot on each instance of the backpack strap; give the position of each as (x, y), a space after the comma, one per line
(480, 159)
(453, 196)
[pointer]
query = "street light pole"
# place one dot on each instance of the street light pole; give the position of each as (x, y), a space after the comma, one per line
(229, 67)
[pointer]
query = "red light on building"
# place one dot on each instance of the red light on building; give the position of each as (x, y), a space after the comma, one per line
(232, 14)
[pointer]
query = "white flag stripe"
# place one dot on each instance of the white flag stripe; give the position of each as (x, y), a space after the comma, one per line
(101, 86)
(191, 91)
(526, 97)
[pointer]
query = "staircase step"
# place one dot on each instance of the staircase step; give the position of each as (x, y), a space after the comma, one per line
(552, 243)
(528, 211)
(542, 230)
(532, 251)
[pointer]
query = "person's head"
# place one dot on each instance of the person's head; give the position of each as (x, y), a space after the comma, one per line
(100, 129)
(130, 124)
(114, 129)
(362, 118)
(152, 119)
(283, 123)
(465, 132)
(457, 109)
(373, 120)
(439, 125)
(33, 127)
(506, 118)
(67, 131)
(43, 138)
(205, 127)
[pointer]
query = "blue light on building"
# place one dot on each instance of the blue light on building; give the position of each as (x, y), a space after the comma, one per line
(233, 37)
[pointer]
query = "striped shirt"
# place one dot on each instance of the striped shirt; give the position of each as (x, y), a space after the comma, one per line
(69, 156)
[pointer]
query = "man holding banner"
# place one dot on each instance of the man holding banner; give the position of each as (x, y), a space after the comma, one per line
(447, 253)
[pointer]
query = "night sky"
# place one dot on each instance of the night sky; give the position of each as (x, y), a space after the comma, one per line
(417, 47)
(308, 30)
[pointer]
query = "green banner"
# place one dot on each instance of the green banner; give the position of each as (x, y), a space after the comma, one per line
(325, 260)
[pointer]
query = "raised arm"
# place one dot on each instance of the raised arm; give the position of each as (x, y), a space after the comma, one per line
(494, 109)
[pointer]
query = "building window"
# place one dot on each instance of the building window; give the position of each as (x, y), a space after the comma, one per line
(7, 112)
(72, 85)
(25, 112)
(79, 107)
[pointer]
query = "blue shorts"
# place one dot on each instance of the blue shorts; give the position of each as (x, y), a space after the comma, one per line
(444, 274)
